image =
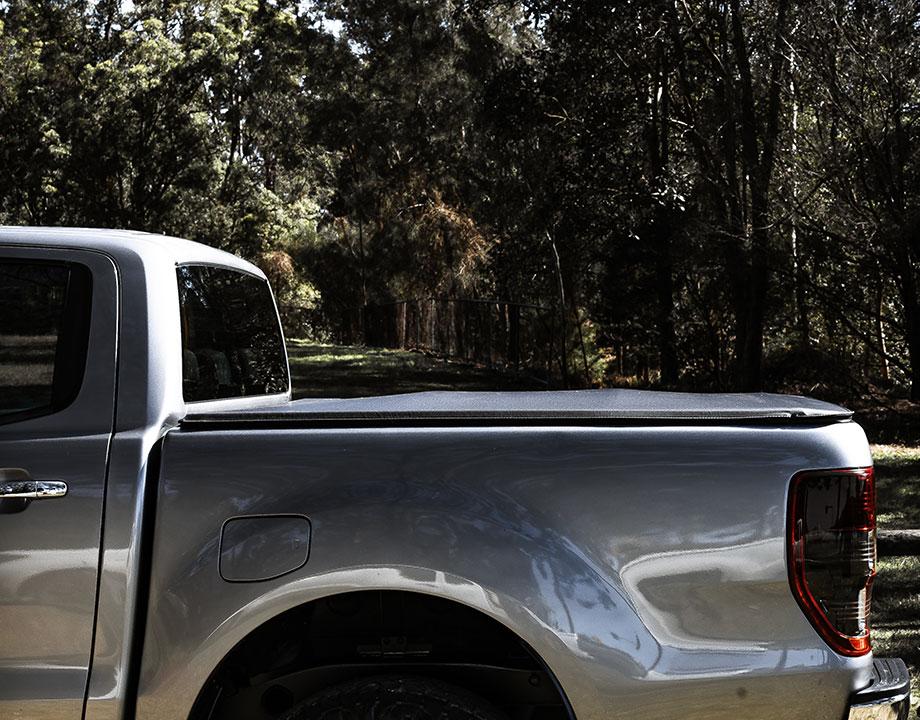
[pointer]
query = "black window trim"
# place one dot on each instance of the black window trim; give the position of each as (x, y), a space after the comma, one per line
(72, 342)
(222, 266)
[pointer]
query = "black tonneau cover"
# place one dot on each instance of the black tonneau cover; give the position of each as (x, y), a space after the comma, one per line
(580, 406)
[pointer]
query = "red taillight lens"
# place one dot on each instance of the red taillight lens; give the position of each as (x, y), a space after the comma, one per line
(831, 546)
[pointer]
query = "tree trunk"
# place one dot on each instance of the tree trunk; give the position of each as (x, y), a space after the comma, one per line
(664, 286)
(664, 266)
(362, 319)
(880, 339)
(514, 334)
(750, 365)
(758, 145)
(909, 299)
(798, 274)
(564, 335)
(906, 249)
(801, 306)
(662, 230)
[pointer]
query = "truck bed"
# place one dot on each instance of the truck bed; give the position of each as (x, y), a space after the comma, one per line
(635, 541)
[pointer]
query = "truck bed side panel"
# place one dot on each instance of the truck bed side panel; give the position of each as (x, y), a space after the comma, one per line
(645, 565)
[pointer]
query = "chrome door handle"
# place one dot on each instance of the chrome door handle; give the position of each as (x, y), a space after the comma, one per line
(33, 489)
(17, 484)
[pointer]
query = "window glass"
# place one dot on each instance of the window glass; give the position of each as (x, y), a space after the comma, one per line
(44, 324)
(231, 339)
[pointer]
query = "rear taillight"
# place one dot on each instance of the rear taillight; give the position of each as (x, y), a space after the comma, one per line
(831, 551)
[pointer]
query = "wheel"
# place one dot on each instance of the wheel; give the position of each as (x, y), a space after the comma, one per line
(394, 697)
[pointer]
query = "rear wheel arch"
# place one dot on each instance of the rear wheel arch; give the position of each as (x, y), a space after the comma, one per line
(349, 635)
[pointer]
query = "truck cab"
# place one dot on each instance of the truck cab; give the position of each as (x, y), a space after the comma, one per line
(94, 374)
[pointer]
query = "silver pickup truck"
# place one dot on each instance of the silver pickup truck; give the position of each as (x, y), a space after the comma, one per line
(180, 540)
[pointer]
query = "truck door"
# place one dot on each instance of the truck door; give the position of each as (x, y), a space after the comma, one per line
(58, 324)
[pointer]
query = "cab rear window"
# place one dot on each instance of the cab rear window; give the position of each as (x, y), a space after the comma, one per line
(232, 344)
(44, 328)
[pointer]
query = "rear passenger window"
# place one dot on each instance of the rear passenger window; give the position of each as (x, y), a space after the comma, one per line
(232, 344)
(44, 329)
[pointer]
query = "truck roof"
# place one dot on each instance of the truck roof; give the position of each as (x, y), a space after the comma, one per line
(580, 406)
(118, 243)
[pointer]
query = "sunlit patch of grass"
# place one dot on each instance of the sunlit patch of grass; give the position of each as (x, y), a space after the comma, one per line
(323, 370)
(897, 473)
(328, 358)
(896, 455)
(896, 615)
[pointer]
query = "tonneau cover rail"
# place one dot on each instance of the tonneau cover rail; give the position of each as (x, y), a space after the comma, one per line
(604, 407)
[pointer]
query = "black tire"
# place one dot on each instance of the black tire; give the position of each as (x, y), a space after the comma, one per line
(394, 697)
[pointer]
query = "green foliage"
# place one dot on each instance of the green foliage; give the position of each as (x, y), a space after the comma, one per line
(705, 194)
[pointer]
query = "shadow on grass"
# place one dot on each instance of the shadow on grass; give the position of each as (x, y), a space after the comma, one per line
(319, 370)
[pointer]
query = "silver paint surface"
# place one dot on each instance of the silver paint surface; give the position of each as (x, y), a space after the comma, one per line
(49, 552)
(645, 565)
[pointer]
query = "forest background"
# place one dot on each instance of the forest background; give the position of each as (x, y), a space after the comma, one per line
(683, 194)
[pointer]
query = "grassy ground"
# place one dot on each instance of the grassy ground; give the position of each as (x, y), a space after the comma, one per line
(896, 593)
(344, 371)
(350, 371)
(898, 486)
